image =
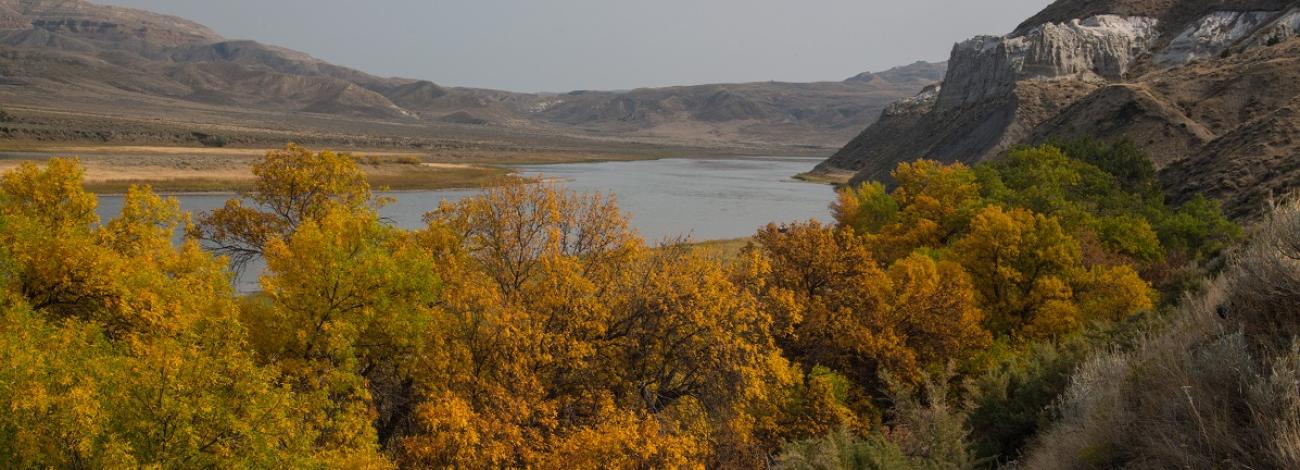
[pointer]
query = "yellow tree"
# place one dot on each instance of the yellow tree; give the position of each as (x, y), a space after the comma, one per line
(1031, 279)
(836, 307)
(119, 349)
(931, 204)
(581, 334)
(683, 336)
(526, 266)
(58, 264)
(513, 228)
(53, 195)
(822, 285)
(934, 314)
(866, 208)
(349, 304)
(293, 186)
(1020, 262)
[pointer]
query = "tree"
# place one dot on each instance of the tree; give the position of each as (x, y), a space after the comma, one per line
(348, 308)
(935, 204)
(1121, 159)
(293, 186)
(683, 335)
(834, 305)
(934, 312)
(512, 229)
(58, 265)
(118, 348)
(1018, 261)
(866, 209)
(822, 286)
(560, 328)
(1197, 229)
(1031, 280)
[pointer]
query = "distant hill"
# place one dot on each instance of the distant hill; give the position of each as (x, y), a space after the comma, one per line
(72, 55)
(1209, 89)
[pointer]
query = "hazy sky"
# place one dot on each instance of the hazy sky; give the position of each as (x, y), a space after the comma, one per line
(561, 45)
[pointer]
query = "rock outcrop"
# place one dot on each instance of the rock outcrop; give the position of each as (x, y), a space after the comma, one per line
(1176, 76)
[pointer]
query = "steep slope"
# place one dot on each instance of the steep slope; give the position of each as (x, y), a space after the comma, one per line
(1250, 168)
(1176, 76)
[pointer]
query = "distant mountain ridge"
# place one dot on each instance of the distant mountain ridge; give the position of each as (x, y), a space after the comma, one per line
(1209, 89)
(51, 50)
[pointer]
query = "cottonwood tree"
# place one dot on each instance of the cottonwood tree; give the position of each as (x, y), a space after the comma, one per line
(293, 186)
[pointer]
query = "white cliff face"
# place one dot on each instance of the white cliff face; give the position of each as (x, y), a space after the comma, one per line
(1102, 47)
(1105, 46)
(984, 72)
(919, 104)
(1211, 35)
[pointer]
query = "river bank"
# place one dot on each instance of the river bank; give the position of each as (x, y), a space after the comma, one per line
(113, 169)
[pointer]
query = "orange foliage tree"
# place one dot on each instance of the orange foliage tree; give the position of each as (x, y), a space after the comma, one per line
(563, 327)
(835, 306)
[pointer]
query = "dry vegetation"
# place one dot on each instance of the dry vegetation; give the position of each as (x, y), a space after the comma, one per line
(113, 169)
(1216, 389)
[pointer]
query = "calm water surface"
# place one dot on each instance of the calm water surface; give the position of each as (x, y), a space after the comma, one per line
(704, 199)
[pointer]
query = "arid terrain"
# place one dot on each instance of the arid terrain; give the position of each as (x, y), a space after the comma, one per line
(75, 74)
(1208, 89)
(183, 169)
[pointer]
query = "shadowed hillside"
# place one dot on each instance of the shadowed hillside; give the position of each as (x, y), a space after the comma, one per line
(1194, 83)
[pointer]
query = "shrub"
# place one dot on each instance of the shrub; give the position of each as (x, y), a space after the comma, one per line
(1122, 159)
(1012, 401)
(926, 433)
(1263, 294)
(210, 140)
(1218, 387)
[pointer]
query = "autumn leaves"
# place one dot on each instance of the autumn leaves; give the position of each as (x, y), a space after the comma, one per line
(529, 326)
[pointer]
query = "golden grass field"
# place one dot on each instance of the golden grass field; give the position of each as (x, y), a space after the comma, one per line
(112, 169)
(726, 250)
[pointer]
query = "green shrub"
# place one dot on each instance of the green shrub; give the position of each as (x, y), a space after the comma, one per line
(1122, 159)
(1197, 230)
(925, 432)
(842, 450)
(1012, 401)
(1219, 387)
(1111, 191)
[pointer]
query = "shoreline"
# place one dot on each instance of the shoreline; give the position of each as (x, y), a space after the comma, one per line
(111, 170)
(174, 170)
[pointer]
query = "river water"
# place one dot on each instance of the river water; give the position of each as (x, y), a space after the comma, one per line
(704, 199)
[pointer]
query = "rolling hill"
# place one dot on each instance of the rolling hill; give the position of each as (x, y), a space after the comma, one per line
(76, 56)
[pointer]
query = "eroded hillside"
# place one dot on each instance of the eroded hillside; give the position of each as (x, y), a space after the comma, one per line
(1194, 83)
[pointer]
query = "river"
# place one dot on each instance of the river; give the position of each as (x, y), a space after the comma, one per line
(700, 198)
